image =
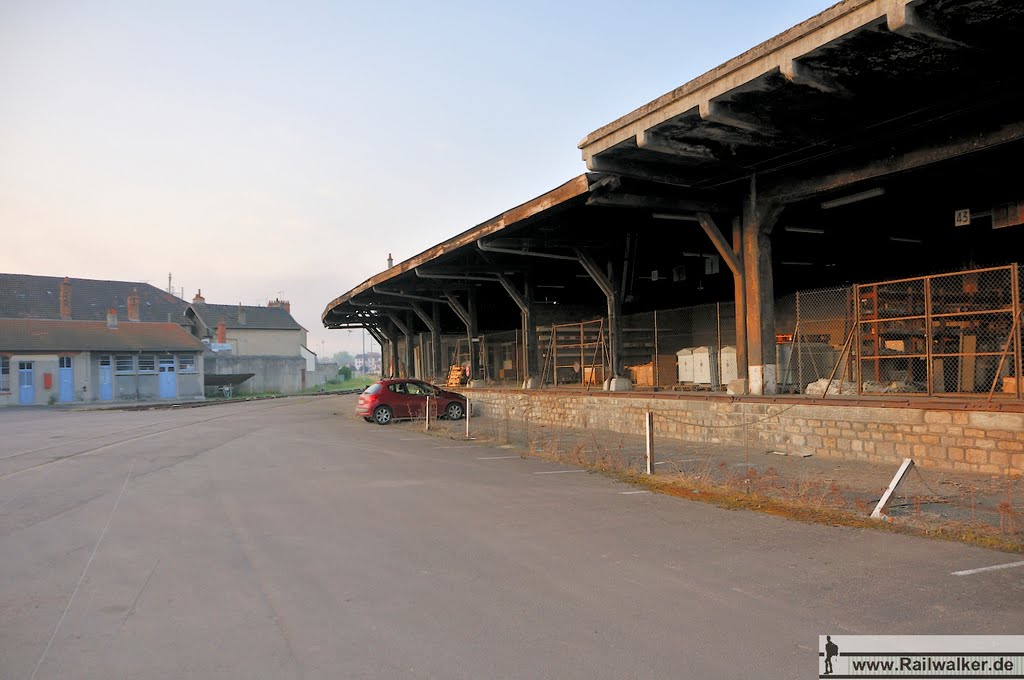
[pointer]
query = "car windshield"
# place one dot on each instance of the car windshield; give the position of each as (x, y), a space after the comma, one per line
(373, 389)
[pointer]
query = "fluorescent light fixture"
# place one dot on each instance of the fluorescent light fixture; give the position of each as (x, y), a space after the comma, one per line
(804, 230)
(902, 239)
(799, 264)
(674, 216)
(853, 198)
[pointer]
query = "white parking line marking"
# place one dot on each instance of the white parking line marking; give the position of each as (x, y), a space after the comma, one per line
(662, 462)
(630, 493)
(968, 572)
(471, 446)
(498, 457)
(557, 472)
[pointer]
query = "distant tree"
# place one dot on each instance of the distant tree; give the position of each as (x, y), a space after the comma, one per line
(345, 372)
(344, 359)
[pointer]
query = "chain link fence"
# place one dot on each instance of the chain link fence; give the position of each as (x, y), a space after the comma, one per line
(945, 334)
(956, 333)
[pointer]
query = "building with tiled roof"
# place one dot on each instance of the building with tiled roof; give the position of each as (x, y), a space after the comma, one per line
(264, 341)
(83, 340)
(24, 296)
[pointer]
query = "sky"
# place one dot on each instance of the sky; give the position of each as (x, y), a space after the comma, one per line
(261, 150)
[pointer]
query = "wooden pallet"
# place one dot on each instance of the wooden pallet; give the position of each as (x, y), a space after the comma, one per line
(454, 377)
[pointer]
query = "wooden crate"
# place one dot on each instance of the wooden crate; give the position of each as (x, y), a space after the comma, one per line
(643, 375)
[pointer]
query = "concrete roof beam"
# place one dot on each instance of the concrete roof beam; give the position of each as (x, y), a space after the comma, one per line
(659, 174)
(650, 141)
(904, 19)
(816, 79)
(723, 114)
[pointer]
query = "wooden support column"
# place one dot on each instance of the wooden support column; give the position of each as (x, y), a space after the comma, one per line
(758, 221)
(733, 258)
(615, 382)
(530, 359)
(739, 291)
(389, 353)
(473, 332)
(440, 370)
(468, 318)
(433, 323)
(403, 371)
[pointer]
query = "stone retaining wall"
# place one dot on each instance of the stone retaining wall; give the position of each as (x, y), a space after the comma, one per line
(971, 441)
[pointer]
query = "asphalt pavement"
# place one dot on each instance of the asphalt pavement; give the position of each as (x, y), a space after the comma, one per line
(289, 539)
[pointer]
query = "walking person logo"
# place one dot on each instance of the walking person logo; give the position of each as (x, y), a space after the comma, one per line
(831, 650)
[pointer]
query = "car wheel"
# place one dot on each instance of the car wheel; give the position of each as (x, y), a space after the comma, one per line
(368, 419)
(382, 415)
(454, 411)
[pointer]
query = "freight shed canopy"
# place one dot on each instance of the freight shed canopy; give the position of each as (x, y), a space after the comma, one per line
(875, 140)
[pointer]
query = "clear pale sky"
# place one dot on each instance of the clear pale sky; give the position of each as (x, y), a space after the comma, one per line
(257, 150)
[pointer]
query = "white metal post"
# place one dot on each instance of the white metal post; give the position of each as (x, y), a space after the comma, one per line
(649, 438)
(900, 474)
(469, 410)
(426, 419)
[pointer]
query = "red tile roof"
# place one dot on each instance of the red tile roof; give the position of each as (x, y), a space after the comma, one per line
(48, 335)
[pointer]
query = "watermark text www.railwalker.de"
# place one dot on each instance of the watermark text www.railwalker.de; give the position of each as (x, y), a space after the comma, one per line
(921, 656)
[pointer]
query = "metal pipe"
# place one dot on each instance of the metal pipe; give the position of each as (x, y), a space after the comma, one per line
(528, 253)
(452, 277)
(407, 296)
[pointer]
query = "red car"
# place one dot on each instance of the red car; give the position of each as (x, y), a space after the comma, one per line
(386, 400)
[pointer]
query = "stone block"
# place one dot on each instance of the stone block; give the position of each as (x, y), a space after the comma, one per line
(976, 456)
(1000, 421)
(938, 417)
(1000, 458)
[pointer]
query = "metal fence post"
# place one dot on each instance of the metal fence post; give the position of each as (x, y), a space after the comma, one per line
(1015, 299)
(928, 339)
(469, 411)
(649, 440)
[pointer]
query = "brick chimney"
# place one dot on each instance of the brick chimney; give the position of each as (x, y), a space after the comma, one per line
(65, 298)
(133, 305)
(199, 297)
(222, 332)
(283, 304)
(111, 318)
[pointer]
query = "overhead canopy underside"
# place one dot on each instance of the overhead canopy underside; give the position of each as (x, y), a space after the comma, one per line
(918, 102)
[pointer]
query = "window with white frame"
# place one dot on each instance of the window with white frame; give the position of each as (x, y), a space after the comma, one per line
(147, 363)
(187, 363)
(124, 363)
(5, 374)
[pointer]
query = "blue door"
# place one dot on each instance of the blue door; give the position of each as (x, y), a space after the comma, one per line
(66, 375)
(26, 383)
(106, 378)
(168, 382)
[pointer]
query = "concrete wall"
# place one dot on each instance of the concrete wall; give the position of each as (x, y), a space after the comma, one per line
(259, 342)
(273, 373)
(86, 383)
(973, 441)
(323, 373)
